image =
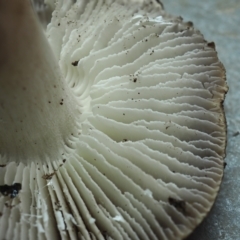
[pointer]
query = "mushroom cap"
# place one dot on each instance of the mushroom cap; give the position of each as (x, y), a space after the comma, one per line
(148, 159)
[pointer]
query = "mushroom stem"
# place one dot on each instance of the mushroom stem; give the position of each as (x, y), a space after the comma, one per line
(37, 108)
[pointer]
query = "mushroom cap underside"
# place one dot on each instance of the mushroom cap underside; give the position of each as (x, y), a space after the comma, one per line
(147, 159)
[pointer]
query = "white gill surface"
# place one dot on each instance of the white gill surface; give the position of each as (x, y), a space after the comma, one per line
(148, 160)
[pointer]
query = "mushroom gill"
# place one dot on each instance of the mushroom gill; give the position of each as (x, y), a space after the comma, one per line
(125, 106)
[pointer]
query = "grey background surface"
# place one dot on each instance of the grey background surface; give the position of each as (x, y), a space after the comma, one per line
(219, 21)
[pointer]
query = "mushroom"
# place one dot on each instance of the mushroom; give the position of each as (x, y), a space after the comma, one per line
(111, 122)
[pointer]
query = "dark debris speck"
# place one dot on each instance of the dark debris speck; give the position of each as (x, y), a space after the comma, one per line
(224, 165)
(180, 205)
(10, 190)
(75, 63)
